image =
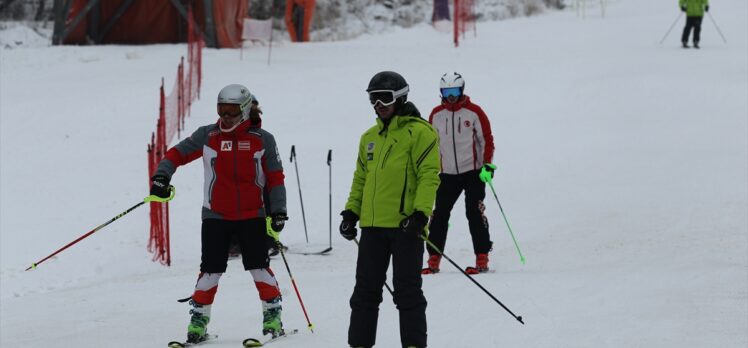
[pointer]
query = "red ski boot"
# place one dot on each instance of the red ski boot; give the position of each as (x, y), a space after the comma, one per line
(433, 263)
(481, 264)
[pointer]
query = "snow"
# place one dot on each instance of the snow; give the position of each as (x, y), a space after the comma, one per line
(623, 168)
(17, 34)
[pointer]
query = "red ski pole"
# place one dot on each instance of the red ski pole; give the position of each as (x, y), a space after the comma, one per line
(146, 200)
(275, 235)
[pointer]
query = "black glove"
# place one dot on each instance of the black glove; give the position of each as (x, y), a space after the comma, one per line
(706, 8)
(414, 223)
(278, 221)
(683, 8)
(348, 225)
(160, 186)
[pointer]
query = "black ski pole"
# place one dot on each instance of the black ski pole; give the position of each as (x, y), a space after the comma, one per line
(519, 318)
(298, 183)
(671, 28)
(716, 26)
(385, 281)
(329, 175)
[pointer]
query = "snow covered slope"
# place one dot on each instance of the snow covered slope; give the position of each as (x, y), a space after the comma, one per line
(623, 169)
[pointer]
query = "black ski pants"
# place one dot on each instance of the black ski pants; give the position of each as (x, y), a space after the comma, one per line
(450, 188)
(375, 249)
(695, 23)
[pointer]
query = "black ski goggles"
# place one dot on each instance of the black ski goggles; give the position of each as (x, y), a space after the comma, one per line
(386, 97)
(232, 110)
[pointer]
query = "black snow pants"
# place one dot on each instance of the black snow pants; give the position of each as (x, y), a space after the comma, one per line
(376, 247)
(450, 188)
(695, 23)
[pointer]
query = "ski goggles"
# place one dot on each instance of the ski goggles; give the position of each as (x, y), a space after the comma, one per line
(232, 110)
(451, 92)
(386, 97)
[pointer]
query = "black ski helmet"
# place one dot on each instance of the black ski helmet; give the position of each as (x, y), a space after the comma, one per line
(390, 81)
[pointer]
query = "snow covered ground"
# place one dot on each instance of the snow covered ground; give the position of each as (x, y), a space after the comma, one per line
(623, 171)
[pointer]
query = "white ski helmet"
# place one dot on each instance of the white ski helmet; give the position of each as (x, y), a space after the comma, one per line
(452, 80)
(237, 94)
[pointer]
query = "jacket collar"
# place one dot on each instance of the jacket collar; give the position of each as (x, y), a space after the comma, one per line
(462, 102)
(241, 127)
(403, 115)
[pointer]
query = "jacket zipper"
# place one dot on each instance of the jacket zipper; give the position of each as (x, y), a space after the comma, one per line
(387, 154)
(454, 143)
(235, 150)
(373, 196)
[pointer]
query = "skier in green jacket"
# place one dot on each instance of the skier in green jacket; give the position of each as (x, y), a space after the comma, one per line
(694, 10)
(392, 195)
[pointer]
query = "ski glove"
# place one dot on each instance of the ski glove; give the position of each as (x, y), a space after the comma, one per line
(348, 225)
(683, 8)
(160, 186)
(706, 8)
(486, 173)
(278, 221)
(415, 223)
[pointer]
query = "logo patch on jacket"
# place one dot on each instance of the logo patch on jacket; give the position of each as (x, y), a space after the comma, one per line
(370, 151)
(467, 123)
(226, 145)
(244, 145)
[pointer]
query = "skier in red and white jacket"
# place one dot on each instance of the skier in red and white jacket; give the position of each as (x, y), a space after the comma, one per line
(241, 163)
(466, 149)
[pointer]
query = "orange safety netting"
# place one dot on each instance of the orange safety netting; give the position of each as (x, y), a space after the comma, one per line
(464, 19)
(172, 111)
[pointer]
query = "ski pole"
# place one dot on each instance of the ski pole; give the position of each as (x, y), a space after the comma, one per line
(716, 26)
(521, 258)
(276, 236)
(385, 281)
(671, 27)
(145, 200)
(298, 183)
(519, 318)
(329, 170)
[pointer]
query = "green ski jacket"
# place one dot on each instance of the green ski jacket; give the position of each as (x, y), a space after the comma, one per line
(397, 171)
(694, 8)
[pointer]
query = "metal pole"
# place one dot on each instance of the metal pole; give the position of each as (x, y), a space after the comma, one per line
(680, 14)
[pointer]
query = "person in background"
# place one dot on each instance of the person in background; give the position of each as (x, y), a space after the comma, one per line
(466, 149)
(299, 19)
(391, 197)
(241, 162)
(694, 10)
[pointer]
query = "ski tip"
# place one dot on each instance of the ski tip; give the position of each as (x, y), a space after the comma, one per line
(175, 344)
(251, 342)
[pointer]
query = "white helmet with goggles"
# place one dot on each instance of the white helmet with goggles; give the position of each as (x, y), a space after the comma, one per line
(451, 84)
(235, 95)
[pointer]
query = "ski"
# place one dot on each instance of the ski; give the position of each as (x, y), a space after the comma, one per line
(304, 252)
(178, 344)
(253, 342)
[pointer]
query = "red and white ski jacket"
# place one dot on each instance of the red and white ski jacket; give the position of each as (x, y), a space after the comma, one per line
(240, 165)
(465, 139)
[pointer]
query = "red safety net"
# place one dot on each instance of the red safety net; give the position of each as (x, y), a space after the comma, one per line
(172, 111)
(464, 19)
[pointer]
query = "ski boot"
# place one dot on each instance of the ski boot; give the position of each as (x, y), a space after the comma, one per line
(271, 317)
(685, 44)
(481, 264)
(197, 330)
(433, 265)
(696, 45)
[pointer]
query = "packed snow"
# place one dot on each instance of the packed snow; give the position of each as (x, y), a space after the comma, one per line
(623, 170)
